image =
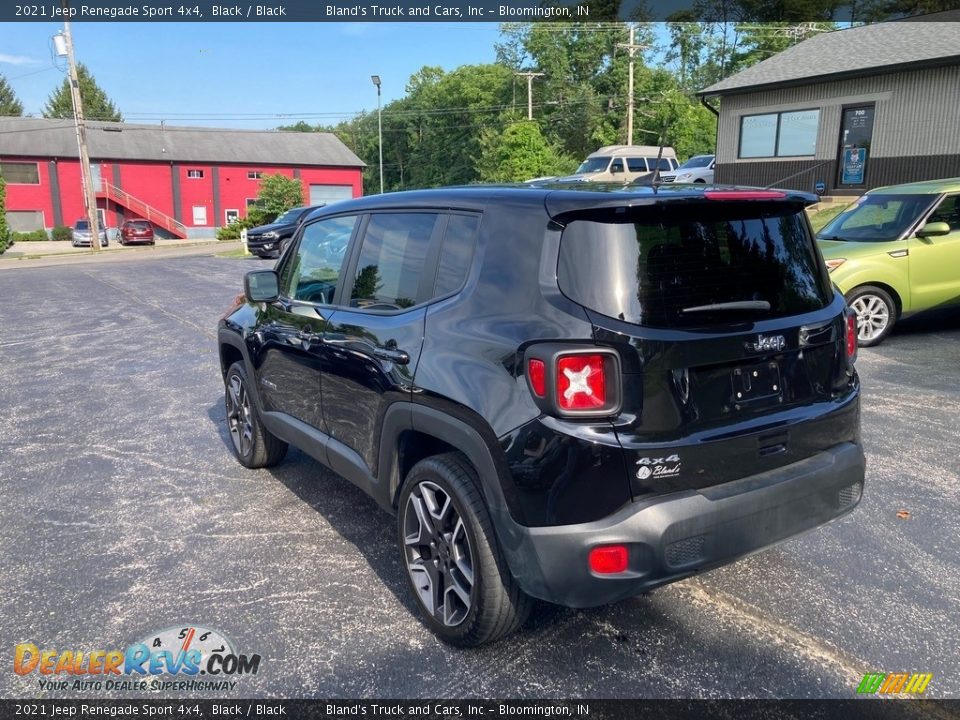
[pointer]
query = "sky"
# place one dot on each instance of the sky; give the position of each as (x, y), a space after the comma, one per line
(240, 75)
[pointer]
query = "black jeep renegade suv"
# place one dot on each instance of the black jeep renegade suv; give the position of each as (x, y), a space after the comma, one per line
(576, 395)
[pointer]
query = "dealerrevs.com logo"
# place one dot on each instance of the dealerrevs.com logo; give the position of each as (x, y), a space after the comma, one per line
(171, 659)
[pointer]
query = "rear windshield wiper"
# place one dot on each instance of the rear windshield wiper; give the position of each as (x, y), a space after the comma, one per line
(735, 305)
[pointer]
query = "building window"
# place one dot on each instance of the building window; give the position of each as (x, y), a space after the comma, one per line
(254, 174)
(199, 215)
(231, 216)
(25, 220)
(194, 174)
(20, 173)
(786, 134)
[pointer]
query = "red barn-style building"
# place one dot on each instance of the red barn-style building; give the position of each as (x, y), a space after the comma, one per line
(186, 181)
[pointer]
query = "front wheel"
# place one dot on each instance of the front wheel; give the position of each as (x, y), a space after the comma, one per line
(876, 314)
(253, 444)
(454, 563)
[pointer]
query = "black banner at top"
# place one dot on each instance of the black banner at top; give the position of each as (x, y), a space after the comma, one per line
(490, 11)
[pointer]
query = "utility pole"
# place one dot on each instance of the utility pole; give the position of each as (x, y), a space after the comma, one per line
(530, 76)
(632, 48)
(89, 192)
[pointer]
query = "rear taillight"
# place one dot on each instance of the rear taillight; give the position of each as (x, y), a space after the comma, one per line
(537, 374)
(574, 381)
(851, 339)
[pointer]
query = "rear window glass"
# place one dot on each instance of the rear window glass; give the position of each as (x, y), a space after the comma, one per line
(666, 270)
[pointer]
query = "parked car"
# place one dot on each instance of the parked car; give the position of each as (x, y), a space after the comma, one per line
(569, 394)
(698, 169)
(82, 237)
(134, 232)
(895, 251)
(269, 241)
(623, 164)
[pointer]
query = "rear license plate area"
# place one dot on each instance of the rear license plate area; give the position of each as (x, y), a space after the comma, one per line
(756, 384)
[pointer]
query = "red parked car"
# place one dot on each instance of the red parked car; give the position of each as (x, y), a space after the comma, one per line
(136, 231)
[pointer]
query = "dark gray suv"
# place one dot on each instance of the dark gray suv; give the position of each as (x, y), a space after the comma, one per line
(570, 394)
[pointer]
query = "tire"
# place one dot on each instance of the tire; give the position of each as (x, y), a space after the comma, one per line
(876, 314)
(458, 574)
(700, 180)
(252, 443)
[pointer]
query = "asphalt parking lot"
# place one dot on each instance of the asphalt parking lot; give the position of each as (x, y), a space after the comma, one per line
(124, 513)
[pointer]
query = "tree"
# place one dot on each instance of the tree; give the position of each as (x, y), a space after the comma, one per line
(9, 104)
(518, 153)
(4, 230)
(278, 193)
(96, 104)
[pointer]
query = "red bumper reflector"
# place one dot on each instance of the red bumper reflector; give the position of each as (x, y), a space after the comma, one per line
(851, 337)
(608, 559)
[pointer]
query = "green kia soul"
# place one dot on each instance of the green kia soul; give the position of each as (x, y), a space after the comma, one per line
(894, 251)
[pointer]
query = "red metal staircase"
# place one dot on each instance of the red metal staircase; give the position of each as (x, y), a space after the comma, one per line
(147, 212)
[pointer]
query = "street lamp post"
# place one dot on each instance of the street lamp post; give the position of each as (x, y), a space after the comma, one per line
(376, 81)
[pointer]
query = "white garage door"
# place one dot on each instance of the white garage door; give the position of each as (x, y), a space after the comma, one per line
(326, 194)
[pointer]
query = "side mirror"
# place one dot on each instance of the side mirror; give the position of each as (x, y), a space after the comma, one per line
(261, 286)
(933, 228)
(614, 169)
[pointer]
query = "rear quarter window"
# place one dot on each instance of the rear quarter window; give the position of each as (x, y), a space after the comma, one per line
(652, 266)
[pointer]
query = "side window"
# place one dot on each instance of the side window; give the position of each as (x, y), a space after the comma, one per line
(664, 163)
(392, 259)
(616, 166)
(312, 274)
(948, 211)
(456, 253)
(636, 165)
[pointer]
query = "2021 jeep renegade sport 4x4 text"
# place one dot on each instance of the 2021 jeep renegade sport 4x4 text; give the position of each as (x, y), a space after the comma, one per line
(575, 395)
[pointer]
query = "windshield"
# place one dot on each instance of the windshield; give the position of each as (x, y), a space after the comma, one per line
(697, 162)
(595, 164)
(877, 218)
(682, 267)
(82, 225)
(290, 216)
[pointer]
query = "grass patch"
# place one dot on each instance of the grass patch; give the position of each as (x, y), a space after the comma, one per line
(238, 253)
(820, 218)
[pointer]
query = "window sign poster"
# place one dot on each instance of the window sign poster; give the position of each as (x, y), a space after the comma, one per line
(854, 166)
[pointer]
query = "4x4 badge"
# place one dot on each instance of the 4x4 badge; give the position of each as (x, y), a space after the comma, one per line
(766, 343)
(658, 467)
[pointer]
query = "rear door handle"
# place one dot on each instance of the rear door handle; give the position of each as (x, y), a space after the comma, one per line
(397, 357)
(391, 353)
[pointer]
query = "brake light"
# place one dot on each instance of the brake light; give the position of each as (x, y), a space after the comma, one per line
(581, 382)
(608, 559)
(744, 195)
(537, 372)
(851, 337)
(574, 381)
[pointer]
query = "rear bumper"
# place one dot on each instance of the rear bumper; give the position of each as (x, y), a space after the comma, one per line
(677, 535)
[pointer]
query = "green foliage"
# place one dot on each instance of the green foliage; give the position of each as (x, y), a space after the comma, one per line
(233, 230)
(4, 230)
(278, 193)
(9, 104)
(96, 104)
(61, 232)
(32, 236)
(519, 153)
